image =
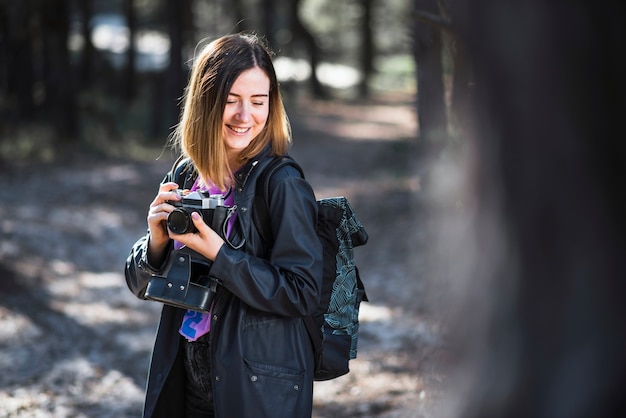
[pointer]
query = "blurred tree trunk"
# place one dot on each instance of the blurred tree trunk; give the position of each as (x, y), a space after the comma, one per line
(461, 71)
(129, 87)
(431, 109)
(4, 65)
(88, 53)
(547, 163)
(301, 33)
(60, 87)
(177, 10)
(269, 22)
(241, 23)
(462, 87)
(367, 49)
(17, 58)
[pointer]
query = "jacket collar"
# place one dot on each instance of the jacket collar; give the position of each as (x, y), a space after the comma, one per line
(243, 173)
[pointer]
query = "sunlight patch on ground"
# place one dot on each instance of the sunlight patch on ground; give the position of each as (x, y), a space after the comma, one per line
(75, 297)
(93, 313)
(101, 280)
(16, 328)
(368, 122)
(370, 390)
(353, 188)
(78, 377)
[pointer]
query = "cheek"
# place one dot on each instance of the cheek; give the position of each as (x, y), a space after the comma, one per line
(227, 115)
(262, 118)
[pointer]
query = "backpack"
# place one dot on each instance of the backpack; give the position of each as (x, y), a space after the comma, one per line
(334, 326)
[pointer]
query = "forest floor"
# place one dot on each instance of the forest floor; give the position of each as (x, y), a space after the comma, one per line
(76, 343)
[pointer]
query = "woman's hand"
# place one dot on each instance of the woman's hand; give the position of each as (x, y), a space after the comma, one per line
(205, 241)
(157, 221)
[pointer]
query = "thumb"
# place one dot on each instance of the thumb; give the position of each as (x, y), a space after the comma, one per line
(198, 221)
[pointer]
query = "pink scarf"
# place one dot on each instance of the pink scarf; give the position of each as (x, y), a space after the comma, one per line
(196, 324)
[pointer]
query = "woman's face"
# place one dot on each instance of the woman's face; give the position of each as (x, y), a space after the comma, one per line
(246, 111)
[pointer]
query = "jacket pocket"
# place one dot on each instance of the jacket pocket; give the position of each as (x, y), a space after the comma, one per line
(276, 390)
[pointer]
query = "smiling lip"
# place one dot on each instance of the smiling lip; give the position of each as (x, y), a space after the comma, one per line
(238, 130)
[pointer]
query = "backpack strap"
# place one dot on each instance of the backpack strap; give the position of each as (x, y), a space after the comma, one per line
(260, 212)
(183, 169)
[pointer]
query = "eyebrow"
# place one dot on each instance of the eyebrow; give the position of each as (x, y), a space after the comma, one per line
(254, 95)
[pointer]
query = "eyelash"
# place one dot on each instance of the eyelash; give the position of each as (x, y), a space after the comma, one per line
(254, 103)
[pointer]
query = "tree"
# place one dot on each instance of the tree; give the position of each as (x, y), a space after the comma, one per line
(269, 21)
(129, 73)
(431, 109)
(303, 34)
(549, 222)
(177, 10)
(367, 50)
(88, 53)
(16, 50)
(59, 82)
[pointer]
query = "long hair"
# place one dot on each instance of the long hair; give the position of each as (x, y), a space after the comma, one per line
(199, 134)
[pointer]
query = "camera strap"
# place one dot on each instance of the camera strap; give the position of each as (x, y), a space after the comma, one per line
(229, 213)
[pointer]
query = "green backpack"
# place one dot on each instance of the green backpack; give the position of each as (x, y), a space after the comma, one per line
(334, 327)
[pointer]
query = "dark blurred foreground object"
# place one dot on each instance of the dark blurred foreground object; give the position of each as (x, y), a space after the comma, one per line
(549, 157)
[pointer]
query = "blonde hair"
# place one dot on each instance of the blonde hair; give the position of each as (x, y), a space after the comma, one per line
(199, 134)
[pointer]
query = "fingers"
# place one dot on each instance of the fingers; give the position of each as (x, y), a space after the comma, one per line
(160, 209)
(167, 192)
(163, 200)
(205, 241)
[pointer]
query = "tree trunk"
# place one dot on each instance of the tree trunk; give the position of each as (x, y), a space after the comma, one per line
(175, 77)
(59, 82)
(431, 110)
(462, 86)
(241, 23)
(548, 163)
(269, 22)
(303, 34)
(18, 65)
(88, 53)
(367, 49)
(129, 74)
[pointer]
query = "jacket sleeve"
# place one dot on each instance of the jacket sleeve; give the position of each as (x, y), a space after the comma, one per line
(138, 271)
(289, 282)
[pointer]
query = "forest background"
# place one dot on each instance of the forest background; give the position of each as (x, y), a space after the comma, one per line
(475, 142)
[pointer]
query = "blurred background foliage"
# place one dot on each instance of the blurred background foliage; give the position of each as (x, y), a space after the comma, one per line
(106, 76)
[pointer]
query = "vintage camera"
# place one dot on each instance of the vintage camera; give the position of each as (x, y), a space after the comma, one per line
(210, 206)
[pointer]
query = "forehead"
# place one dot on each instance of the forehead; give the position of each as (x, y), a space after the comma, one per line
(253, 82)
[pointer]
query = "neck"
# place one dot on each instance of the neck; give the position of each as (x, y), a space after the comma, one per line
(235, 163)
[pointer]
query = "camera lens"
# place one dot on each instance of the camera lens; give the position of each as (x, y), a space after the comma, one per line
(179, 222)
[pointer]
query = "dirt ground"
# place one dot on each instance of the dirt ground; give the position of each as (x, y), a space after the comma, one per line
(75, 342)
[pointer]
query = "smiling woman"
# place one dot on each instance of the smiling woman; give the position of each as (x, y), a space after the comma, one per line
(245, 350)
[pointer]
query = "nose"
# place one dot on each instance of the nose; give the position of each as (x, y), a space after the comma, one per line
(243, 113)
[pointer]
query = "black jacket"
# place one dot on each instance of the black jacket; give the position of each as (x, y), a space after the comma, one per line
(262, 356)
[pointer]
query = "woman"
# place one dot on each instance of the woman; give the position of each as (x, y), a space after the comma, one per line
(252, 356)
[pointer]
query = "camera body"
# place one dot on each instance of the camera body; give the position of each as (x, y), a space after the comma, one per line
(210, 207)
(186, 281)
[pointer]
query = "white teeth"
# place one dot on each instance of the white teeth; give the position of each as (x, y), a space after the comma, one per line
(239, 130)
